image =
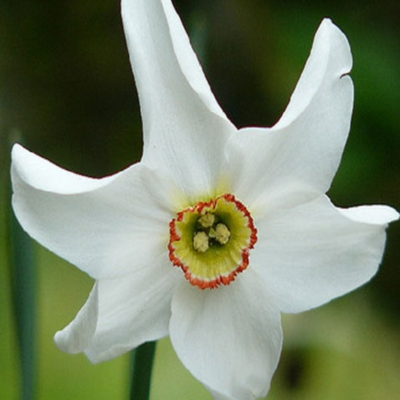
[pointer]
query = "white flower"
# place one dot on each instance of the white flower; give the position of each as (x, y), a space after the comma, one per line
(216, 231)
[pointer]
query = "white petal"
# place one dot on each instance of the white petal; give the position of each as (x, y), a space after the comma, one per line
(330, 60)
(134, 309)
(184, 127)
(75, 337)
(296, 159)
(314, 253)
(230, 338)
(379, 215)
(106, 227)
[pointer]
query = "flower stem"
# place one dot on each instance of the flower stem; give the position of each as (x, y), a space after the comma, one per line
(142, 365)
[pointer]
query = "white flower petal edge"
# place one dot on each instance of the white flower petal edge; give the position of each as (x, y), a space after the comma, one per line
(230, 338)
(295, 160)
(315, 252)
(131, 310)
(100, 225)
(77, 336)
(183, 124)
(330, 57)
(375, 215)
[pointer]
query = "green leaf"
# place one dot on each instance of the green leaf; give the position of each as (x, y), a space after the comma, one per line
(23, 276)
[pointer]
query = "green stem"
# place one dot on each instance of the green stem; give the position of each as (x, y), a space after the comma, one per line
(23, 277)
(24, 306)
(142, 365)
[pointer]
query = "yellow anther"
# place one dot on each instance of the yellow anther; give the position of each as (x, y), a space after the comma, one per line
(200, 242)
(222, 234)
(207, 220)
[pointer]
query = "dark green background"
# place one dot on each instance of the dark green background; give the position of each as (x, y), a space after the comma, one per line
(67, 87)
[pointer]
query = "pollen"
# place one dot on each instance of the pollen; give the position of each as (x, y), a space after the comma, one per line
(201, 242)
(211, 241)
(222, 234)
(207, 220)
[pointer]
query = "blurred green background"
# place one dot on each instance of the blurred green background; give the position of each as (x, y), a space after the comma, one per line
(67, 87)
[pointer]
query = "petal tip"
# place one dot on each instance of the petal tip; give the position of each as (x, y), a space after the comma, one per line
(373, 215)
(18, 155)
(60, 342)
(65, 345)
(16, 149)
(77, 336)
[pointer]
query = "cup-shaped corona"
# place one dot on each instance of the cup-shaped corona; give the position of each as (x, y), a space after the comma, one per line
(211, 240)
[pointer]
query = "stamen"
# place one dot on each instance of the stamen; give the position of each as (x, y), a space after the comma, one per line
(222, 234)
(200, 242)
(207, 220)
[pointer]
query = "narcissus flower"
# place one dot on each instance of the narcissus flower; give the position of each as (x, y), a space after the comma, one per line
(216, 231)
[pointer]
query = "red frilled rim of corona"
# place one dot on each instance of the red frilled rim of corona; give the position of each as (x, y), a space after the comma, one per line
(211, 241)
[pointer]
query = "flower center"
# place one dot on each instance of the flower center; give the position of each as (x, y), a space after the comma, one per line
(210, 241)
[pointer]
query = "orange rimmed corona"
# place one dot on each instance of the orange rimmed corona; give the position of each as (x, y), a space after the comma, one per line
(211, 240)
